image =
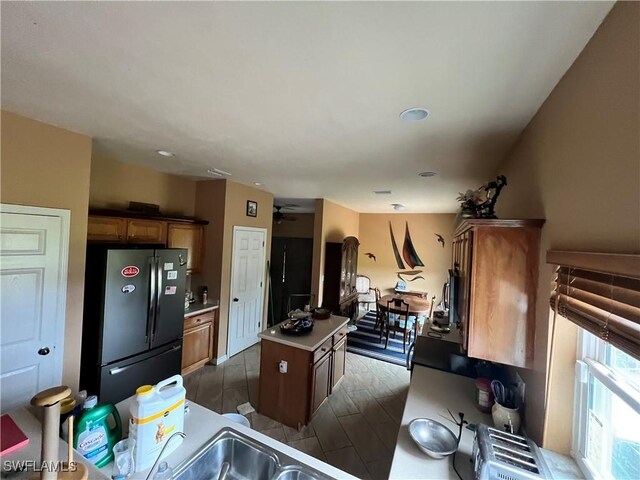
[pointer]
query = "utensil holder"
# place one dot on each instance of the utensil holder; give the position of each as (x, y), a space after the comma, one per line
(505, 418)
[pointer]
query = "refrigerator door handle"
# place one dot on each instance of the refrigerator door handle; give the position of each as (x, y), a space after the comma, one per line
(159, 273)
(117, 370)
(152, 299)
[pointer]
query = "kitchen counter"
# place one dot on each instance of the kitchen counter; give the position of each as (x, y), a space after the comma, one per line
(430, 394)
(322, 330)
(200, 425)
(196, 308)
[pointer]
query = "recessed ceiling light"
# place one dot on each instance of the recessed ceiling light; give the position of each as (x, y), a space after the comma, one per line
(165, 153)
(258, 184)
(382, 192)
(398, 206)
(427, 174)
(414, 114)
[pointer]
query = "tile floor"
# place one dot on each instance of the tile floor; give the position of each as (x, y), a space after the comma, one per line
(355, 430)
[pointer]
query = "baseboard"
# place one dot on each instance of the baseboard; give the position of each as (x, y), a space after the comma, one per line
(221, 359)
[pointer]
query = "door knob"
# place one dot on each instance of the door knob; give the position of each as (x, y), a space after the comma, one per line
(235, 299)
(44, 351)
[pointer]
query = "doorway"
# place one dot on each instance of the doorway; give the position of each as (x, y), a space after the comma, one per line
(34, 247)
(290, 273)
(248, 259)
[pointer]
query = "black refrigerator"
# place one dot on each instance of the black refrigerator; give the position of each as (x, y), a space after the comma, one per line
(133, 318)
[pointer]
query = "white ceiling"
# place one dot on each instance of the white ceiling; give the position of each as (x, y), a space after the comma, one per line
(303, 97)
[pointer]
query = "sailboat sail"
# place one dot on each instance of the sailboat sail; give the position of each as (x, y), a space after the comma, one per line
(395, 249)
(409, 252)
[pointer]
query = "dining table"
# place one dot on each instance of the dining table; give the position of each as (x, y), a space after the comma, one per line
(418, 306)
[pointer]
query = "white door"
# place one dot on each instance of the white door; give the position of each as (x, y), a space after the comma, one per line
(247, 287)
(33, 284)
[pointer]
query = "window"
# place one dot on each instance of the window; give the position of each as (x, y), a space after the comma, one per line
(606, 430)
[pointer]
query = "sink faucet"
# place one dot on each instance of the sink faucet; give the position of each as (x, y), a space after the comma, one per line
(183, 435)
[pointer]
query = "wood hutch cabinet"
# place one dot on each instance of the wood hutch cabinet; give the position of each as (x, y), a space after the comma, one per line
(116, 226)
(497, 261)
(340, 271)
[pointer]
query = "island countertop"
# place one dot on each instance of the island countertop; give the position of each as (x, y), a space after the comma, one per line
(322, 330)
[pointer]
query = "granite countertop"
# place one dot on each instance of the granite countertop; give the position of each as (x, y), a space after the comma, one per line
(430, 394)
(197, 307)
(322, 329)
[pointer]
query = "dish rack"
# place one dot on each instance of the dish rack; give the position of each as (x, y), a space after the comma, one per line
(504, 456)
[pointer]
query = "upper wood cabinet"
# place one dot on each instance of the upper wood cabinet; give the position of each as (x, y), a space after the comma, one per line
(146, 231)
(191, 237)
(107, 229)
(498, 265)
(174, 232)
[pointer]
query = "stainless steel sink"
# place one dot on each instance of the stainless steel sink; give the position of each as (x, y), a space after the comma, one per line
(248, 459)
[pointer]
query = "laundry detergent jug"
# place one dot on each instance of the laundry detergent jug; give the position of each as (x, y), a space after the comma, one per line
(156, 413)
(95, 435)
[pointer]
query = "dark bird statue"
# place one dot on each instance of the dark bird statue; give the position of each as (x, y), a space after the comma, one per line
(371, 256)
(440, 239)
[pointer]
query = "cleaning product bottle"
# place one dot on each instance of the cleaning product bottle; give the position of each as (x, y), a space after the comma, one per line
(156, 413)
(93, 437)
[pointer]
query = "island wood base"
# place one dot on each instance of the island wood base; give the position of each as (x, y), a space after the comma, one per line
(292, 398)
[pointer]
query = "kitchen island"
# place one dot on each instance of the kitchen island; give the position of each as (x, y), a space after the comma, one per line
(298, 373)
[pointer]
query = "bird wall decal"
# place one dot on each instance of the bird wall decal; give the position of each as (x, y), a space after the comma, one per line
(371, 256)
(440, 239)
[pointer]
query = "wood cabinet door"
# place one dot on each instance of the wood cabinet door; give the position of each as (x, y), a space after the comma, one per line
(503, 295)
(106, 229)
(320, 382)
(146, 231)
(190, 237)
(197, 347)
(339, 362)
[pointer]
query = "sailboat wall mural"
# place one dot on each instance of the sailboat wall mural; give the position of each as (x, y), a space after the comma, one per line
(409, 255)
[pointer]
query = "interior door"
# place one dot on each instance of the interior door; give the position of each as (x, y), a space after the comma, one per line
(33, 278)
(247, 287)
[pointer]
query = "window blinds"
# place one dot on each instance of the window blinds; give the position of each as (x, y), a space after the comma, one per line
(601, 293)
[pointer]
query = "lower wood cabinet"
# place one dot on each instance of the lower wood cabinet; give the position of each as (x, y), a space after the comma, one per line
(199, 339)
(321, 382)
(339, 362)
(294, 397)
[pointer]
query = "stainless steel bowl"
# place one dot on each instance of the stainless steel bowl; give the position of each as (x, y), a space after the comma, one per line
(432, 437)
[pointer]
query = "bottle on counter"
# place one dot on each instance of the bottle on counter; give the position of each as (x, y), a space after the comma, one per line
(93, 436)
(205, 295)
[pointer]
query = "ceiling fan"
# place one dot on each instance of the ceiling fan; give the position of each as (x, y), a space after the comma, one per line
(279, 217)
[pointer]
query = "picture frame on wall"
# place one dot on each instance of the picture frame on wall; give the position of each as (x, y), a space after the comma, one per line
(252, 208)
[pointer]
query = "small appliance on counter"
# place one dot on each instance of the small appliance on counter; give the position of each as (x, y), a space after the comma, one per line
(498, 454)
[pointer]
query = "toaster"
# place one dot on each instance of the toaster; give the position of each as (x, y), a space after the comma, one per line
(505, 456)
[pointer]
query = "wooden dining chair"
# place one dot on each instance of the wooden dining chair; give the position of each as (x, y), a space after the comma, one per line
(398, 320)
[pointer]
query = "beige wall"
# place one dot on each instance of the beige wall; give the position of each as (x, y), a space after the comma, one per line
(301, 227)
(375, 238)
(224, 203)
(332, 223)
(46, 166)
(114, 184)
(577, 164)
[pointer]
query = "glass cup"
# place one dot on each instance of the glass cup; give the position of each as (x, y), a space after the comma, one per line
(123, 466)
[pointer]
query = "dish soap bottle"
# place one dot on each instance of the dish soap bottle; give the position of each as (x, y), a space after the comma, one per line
(94, 438)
